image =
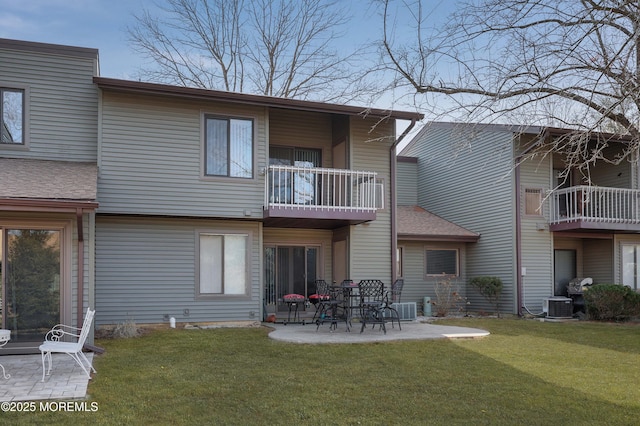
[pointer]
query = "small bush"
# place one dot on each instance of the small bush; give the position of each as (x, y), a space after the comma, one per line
(447, 296)
(126, 330)
(490, 288)
(611, 302)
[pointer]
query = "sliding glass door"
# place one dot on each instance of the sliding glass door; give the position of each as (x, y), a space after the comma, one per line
(289, 269)
(299, 187)
(30, 275)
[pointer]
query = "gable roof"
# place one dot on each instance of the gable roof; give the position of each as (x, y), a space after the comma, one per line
(248, 99)
(416, 223)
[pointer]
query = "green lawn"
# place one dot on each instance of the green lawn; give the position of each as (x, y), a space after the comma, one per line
(525, 373)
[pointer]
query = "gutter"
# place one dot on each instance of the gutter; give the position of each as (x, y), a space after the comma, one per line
(392, 189)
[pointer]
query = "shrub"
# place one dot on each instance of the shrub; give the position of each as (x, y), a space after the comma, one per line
(611, 302)
(447, 296)
(126, 330)
(490, 288)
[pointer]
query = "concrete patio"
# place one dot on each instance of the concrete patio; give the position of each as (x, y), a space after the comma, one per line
(411, 330)
(66, 382)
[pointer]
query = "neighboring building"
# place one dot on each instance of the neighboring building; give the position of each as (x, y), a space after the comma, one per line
(48, 170)
(431, 250)
(538, 230)
(188, 203)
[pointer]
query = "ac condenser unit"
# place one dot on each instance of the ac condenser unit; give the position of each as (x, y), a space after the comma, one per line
(406, 310)
(558, 307)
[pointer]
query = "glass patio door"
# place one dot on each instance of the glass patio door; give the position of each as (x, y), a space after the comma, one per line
(30, 277)
(289, 269)
(564, 263)
(299, 187)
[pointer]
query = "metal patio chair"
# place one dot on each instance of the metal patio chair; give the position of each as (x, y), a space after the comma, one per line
(390, 297)
(328, 305)
(55, 343)
(371, 303)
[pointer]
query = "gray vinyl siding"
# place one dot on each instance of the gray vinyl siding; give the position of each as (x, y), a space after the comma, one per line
(146, 268)
(417, 285)
(151, 160)
(407, 183)
(599, 260)
(612, 175)
(370, 243)
(61, 114)
(301, 129)
(537, 240)
(466, 177)
(304, 237)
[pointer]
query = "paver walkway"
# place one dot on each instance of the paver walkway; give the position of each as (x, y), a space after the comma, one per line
(66, 382)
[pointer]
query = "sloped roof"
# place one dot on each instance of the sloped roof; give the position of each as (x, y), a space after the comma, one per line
(48, 180)
(250, 99)
(416, 223)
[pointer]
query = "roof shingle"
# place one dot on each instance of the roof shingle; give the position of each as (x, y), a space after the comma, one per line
(416, 223)
(51, 180)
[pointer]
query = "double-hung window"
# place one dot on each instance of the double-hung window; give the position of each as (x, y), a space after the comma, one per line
(228, 147)
(12, 116)
(222, 264)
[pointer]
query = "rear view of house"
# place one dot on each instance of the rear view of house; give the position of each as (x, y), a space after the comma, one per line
(149, 201)
(215, 205)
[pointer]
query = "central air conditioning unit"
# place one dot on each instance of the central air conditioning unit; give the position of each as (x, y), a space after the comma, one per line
(406, 310)
(558, 307)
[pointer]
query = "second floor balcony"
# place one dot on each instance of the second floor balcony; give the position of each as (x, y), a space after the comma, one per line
(320, 197)
(595, 207)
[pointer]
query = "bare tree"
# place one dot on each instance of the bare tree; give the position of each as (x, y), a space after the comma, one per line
(564, 63)
(285, 48)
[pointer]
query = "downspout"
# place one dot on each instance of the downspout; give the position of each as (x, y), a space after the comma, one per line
(80, 295)
(518, 238)
(394, 228)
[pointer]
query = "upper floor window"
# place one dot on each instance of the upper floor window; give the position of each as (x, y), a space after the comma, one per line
(533, 201)
(12, 116)
(228, 147)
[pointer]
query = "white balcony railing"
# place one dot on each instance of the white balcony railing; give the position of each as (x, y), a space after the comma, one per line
(323, 189)
(595, 204)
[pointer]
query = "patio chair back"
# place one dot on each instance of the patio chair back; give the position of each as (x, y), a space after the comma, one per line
(371, 303)
(396, 290)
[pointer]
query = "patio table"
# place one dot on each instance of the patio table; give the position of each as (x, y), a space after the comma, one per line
(5, 336)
